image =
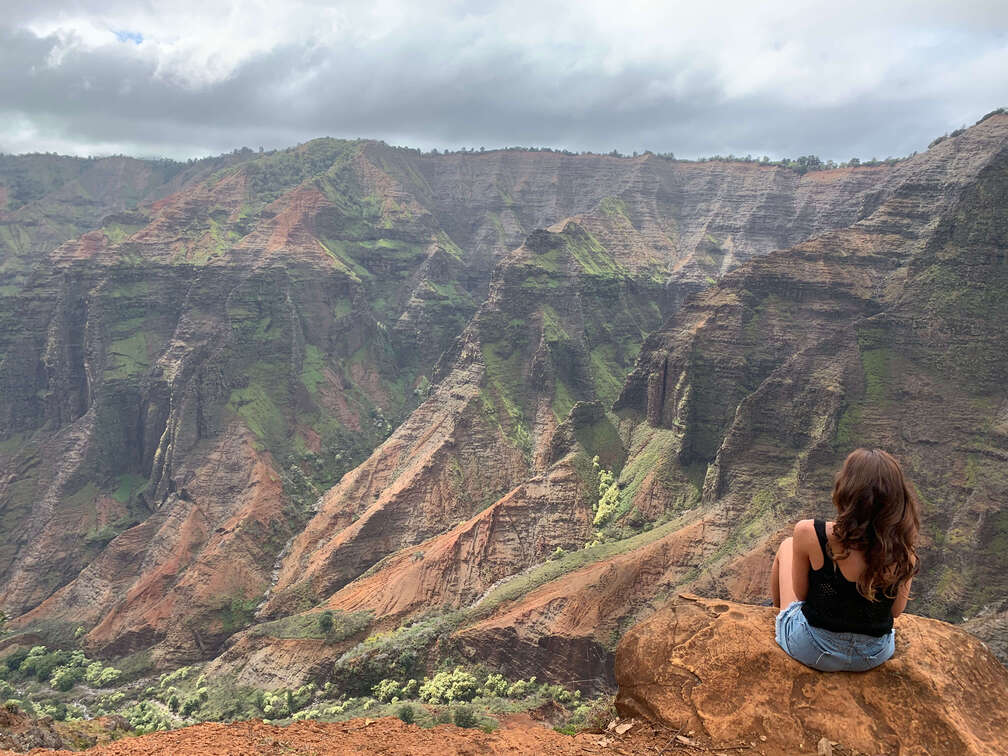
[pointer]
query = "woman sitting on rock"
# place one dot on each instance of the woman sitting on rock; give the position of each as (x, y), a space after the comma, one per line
(843, 582)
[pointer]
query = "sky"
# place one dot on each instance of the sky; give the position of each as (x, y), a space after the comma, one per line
(860, 78)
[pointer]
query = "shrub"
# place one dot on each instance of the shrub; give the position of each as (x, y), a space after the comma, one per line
(41, 664)
(386, 690)
(495, 685)
(608, 491)
(406, 713)
(275, 705)
(55, 709)
(595, 716)
(189, 706)
(144, 717)
(173, 702)
(446, 687)
(464, 716)
(521, 688)
(64, 678)
(558, 693)
(396, 655)
(101, 677)
(326, 622)
(13, 660)
(169, 677)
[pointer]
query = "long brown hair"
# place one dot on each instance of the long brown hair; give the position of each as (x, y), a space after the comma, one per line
(877, 514)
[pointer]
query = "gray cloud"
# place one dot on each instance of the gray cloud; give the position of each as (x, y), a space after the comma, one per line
(586, 77)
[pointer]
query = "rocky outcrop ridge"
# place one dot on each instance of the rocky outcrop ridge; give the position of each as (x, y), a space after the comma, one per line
(713, 667)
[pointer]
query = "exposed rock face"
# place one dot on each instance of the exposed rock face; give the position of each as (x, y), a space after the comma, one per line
(20, 732)
(714, 667)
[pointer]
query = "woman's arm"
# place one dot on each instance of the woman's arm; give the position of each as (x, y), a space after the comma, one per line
(902, 596)
(800, 562)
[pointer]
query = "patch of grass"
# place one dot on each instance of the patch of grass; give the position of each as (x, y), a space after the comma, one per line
(590, 255)
(608, 372)
(562, 400)
(127, 356)
(344, 625)
(552, 569)
(846, 432)
(256, 405)
(600, 438)
(13, 443)
(118, 232)
(129, 483)
(877, 367)
(612, 207)
(312, 368)
(654, 447)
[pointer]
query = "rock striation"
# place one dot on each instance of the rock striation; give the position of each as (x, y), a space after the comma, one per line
(713, 667)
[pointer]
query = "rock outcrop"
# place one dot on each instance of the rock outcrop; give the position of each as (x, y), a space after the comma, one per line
(713, 667)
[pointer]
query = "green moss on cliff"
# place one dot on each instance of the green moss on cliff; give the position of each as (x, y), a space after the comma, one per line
(262, 413)
(128, 356)
(129, 484)
(312, 368)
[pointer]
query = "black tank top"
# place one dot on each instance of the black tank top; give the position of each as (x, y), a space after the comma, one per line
(833, 602)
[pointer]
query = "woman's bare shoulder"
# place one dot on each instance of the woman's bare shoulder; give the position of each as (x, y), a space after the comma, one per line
(804, 527)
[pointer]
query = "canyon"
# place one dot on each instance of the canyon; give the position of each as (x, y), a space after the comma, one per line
(492, 407)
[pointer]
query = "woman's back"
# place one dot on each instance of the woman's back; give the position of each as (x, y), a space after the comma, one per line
(833, 601)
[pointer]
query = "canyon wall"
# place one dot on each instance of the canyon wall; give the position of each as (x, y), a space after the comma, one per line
(353, 377)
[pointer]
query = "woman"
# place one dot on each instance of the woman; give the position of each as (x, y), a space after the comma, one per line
(843, 582)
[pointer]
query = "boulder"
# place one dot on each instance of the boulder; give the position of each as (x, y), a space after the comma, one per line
(713, 667)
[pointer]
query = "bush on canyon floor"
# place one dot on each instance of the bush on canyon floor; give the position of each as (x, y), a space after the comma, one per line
(591, 716)
(61, 668)
(447, 687)
(145, 717)
(390, 690)
(464, 716)
(406, 713)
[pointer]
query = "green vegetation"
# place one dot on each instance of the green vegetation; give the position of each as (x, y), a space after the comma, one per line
(448, 687)
(71, 687)
(261, 413)
(61, 669)
(129, 484)
(526, 582)
(608, 494)
(127, 356)
(334, 625)
(400, 654)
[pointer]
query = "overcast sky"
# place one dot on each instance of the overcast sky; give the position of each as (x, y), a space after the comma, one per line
(838, 79)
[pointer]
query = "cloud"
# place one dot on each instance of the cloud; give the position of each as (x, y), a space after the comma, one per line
(186, 79)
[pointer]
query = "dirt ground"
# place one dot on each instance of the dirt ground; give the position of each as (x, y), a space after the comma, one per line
(388, 736)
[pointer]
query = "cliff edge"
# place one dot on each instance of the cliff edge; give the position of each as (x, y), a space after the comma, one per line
(713, 666)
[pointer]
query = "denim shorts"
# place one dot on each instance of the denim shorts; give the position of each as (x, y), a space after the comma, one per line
(826, 650)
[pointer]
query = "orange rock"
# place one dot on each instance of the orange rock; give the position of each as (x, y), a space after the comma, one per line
(713, 666)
